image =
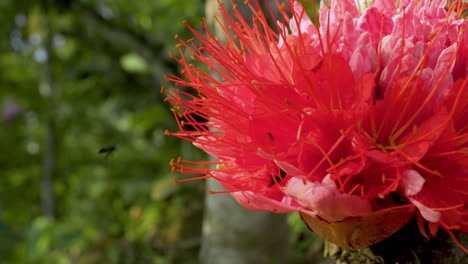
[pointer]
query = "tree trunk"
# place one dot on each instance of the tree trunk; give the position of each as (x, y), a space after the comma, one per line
(231, 233)
(48, 91)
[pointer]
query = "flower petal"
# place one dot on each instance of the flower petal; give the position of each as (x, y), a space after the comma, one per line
(428, 214)
(324, 199)
(257, 202)
(411, 182)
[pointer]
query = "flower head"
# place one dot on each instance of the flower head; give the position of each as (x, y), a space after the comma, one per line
(351, 115)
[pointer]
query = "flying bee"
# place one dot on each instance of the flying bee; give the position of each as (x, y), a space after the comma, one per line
(107, 151)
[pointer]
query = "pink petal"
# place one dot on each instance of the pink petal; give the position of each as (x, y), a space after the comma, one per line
(377, 25)
(305, 24)
(441, 78)
(261, 153)
(325, 200)
(387, 7)
(288, 168)
(257, 202)
(411, 182)
(428, 214)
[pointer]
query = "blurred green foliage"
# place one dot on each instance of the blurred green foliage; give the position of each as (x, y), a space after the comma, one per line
(106, 61)
(118, 207)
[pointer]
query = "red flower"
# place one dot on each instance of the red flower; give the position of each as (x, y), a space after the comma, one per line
(362, 115)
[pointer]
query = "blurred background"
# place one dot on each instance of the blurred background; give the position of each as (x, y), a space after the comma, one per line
(84, 174)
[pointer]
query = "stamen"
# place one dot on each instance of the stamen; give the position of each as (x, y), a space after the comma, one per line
(221, 192)
(448, 208)
(199, 162)
(193, 179)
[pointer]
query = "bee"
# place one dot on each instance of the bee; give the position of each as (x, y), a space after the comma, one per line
(107, 151)
(271, 138)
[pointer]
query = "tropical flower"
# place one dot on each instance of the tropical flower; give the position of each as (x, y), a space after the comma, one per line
(362, 117)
